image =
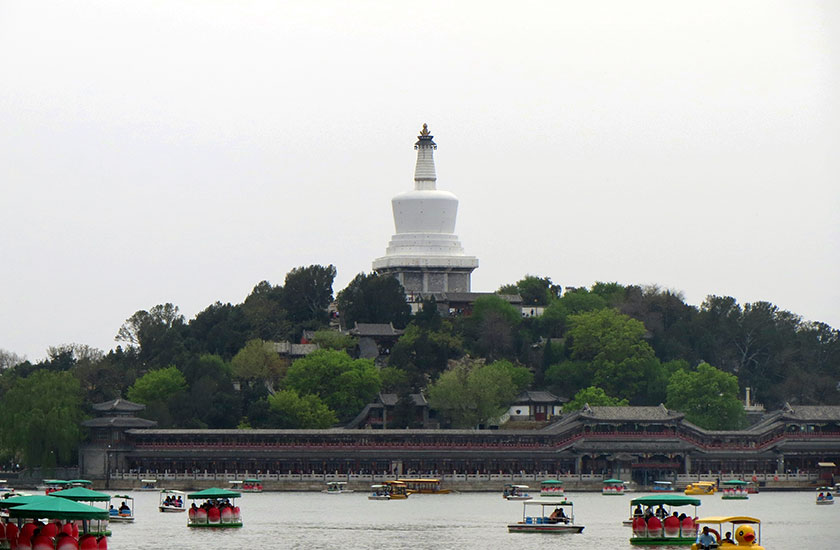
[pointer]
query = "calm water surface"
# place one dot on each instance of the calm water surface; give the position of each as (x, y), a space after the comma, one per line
(311, 521)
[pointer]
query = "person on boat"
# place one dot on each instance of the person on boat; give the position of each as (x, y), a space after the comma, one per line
(637, 513)
(179, 503)
(828, 496)
(124, 509)
(557, 516)
(727, 538)
(706, 540)
(112, 511)
(821, 496)
(648, 513)
(660, 512)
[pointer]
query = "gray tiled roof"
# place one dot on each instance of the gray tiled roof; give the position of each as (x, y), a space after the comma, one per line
(811, 412)
(375, 329)
(119, 422)
(631, 413)
(119, 405)
(539, 397)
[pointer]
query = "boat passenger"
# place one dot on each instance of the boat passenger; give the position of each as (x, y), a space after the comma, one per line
(660, 512)
(112, 511)
(706, 540)
(727, 538)
(828, 496)
(557, 516)
(821, 496)
(637, 513)
(124, 509)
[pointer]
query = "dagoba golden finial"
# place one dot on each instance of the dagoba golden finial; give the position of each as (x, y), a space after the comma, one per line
(425, 131)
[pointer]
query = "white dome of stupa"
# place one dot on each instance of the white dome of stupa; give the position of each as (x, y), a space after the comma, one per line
(424, 218)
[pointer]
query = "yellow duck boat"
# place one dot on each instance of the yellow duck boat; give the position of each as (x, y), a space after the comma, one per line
(700, 488)
(745, 531)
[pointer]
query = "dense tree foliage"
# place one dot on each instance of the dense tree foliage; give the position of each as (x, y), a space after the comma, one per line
(708, 397)
(535, 291)
(471, 393)
(608, 343)
(40, 418)
(373, 299)
(594, 397)
(345, 384)
(295, 412)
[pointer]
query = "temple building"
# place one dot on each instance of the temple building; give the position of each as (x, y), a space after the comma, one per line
(424, 254)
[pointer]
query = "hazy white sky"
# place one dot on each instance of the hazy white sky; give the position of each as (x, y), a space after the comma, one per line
(183, 151)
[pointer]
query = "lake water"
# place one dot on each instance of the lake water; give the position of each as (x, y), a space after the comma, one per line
(311, 521)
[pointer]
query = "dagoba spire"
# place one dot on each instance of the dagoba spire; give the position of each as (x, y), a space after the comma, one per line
(425, 254)
(424, 171)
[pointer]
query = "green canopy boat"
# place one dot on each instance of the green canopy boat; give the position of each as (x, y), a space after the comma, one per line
(219, 509)
(21, 500)
(58, 508)
(214, 492)
(734, 489)
(676, 535)
(82, 494)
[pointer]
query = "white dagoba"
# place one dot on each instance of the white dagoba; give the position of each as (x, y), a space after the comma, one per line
(425, 255)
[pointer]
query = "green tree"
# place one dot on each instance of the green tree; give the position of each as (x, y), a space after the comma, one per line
(623, 364)
(535, 291)
(158, 385)
(346, 385)
(211, 402)
(569, 377)
(257, 362)
(158, 333)
(307, 292)
(291, 411)
(593, 396)
(332, 339)
(40, 420)
(471, 393)
(221, 329)
(553, 322)
(708, 397)
(490, 331)
(424, 354)
(264, 310)
(373, 299)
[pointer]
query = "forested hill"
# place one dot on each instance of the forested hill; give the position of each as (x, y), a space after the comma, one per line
(604, 344)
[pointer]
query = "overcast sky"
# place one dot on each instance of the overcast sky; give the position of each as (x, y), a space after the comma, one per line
(183, 151)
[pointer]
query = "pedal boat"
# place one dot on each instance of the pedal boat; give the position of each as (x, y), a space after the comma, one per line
(552, 488)
(825, 498)
(86, 496)
(219, 509)
(122, 516)
(536, 520)
(69, 524)
(516, 492)
(614, 487)
(148, 485)
(171, 508)
(668, 530)
(336, 488)
(390, 490)
(746, 531)
(735, 489)
(663, 487)
(700, 488)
